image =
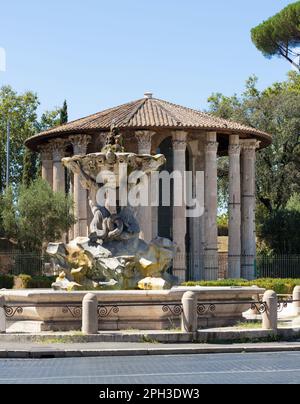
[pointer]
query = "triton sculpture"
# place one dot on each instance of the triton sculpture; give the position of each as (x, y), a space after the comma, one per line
(112, 256)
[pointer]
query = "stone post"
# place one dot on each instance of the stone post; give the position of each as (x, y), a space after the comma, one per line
(269, 317)
(296, 298)
(47, 163)
(211, 205)
(189, 318)
(80, 143)
(90, 314)
(248, 232)
(145, 213)
(179, 212)
(58, 150)
(234, 228)
(2, 315)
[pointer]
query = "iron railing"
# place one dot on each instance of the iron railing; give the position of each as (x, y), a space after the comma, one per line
(19, 262)
(265, 266)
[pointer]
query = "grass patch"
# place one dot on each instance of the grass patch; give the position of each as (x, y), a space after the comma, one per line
(149, 340)
(75, 337)
(248, 325)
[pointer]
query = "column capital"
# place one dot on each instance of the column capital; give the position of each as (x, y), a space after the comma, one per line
(249, 145)
(80, 143)
(144, 138)
(58, 148)
(46, 151)
(179, 140)
(234, 150)
(211, 147)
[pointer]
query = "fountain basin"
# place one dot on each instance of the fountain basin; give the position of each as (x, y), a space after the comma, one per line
(48, 310)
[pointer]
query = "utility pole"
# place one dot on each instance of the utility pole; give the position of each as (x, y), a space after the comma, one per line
(7, 153)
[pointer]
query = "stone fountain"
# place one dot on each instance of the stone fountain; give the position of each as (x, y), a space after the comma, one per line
(128, 275)
(113, 256)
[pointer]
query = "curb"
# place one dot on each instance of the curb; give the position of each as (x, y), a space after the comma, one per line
(86, 353)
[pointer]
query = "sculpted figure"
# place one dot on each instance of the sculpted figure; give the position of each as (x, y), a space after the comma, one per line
(114, 141)
(98, 226)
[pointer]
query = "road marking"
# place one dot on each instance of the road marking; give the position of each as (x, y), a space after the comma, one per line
(153, 374)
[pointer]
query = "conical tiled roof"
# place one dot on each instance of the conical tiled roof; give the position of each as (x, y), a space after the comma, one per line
(148, 113)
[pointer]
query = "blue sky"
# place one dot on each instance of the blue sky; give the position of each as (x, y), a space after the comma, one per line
(99, 54)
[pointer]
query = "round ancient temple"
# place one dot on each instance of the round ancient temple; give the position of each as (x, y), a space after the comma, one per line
(191, 141)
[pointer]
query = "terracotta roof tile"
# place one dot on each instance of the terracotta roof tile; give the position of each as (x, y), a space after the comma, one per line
(148, 113)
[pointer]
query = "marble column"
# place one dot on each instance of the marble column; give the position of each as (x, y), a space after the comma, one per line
(71, 194)
(197, 223)
(145, 213)
(248, 231)
(211, 205)
(58, 150)
(234, 209)
(179, 140)
(80, 143)
(47, 163)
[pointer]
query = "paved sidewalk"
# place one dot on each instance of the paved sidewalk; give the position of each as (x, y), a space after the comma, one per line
(96, 349)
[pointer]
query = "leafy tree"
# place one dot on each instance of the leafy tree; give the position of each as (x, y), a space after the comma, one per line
(276, 230)
(30, 168)
(280, 34)
(275, 110)
(38, 217)
(20, 111)
(49, 119)
(64, 113)
(293, 204)
(8, 214)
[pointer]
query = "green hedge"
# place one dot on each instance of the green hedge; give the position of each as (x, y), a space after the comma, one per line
(280, 286)
(33, 282)
(6, 281)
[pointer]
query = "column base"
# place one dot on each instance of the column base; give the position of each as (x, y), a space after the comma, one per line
(234, 266)
(211, 265)
(248, 268)
(196, 267)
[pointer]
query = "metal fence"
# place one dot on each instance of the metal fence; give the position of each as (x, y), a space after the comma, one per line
(266, 266)
(17, 262)
(278, 266)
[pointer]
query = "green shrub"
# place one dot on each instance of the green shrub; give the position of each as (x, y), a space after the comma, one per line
(33, 282)
(280, 286)
(222, 225)
(41, 282)
(6, 281)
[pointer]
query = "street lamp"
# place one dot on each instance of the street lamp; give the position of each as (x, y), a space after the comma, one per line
(7, 152)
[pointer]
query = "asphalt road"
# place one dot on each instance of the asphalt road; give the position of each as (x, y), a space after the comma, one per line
(250, 368)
